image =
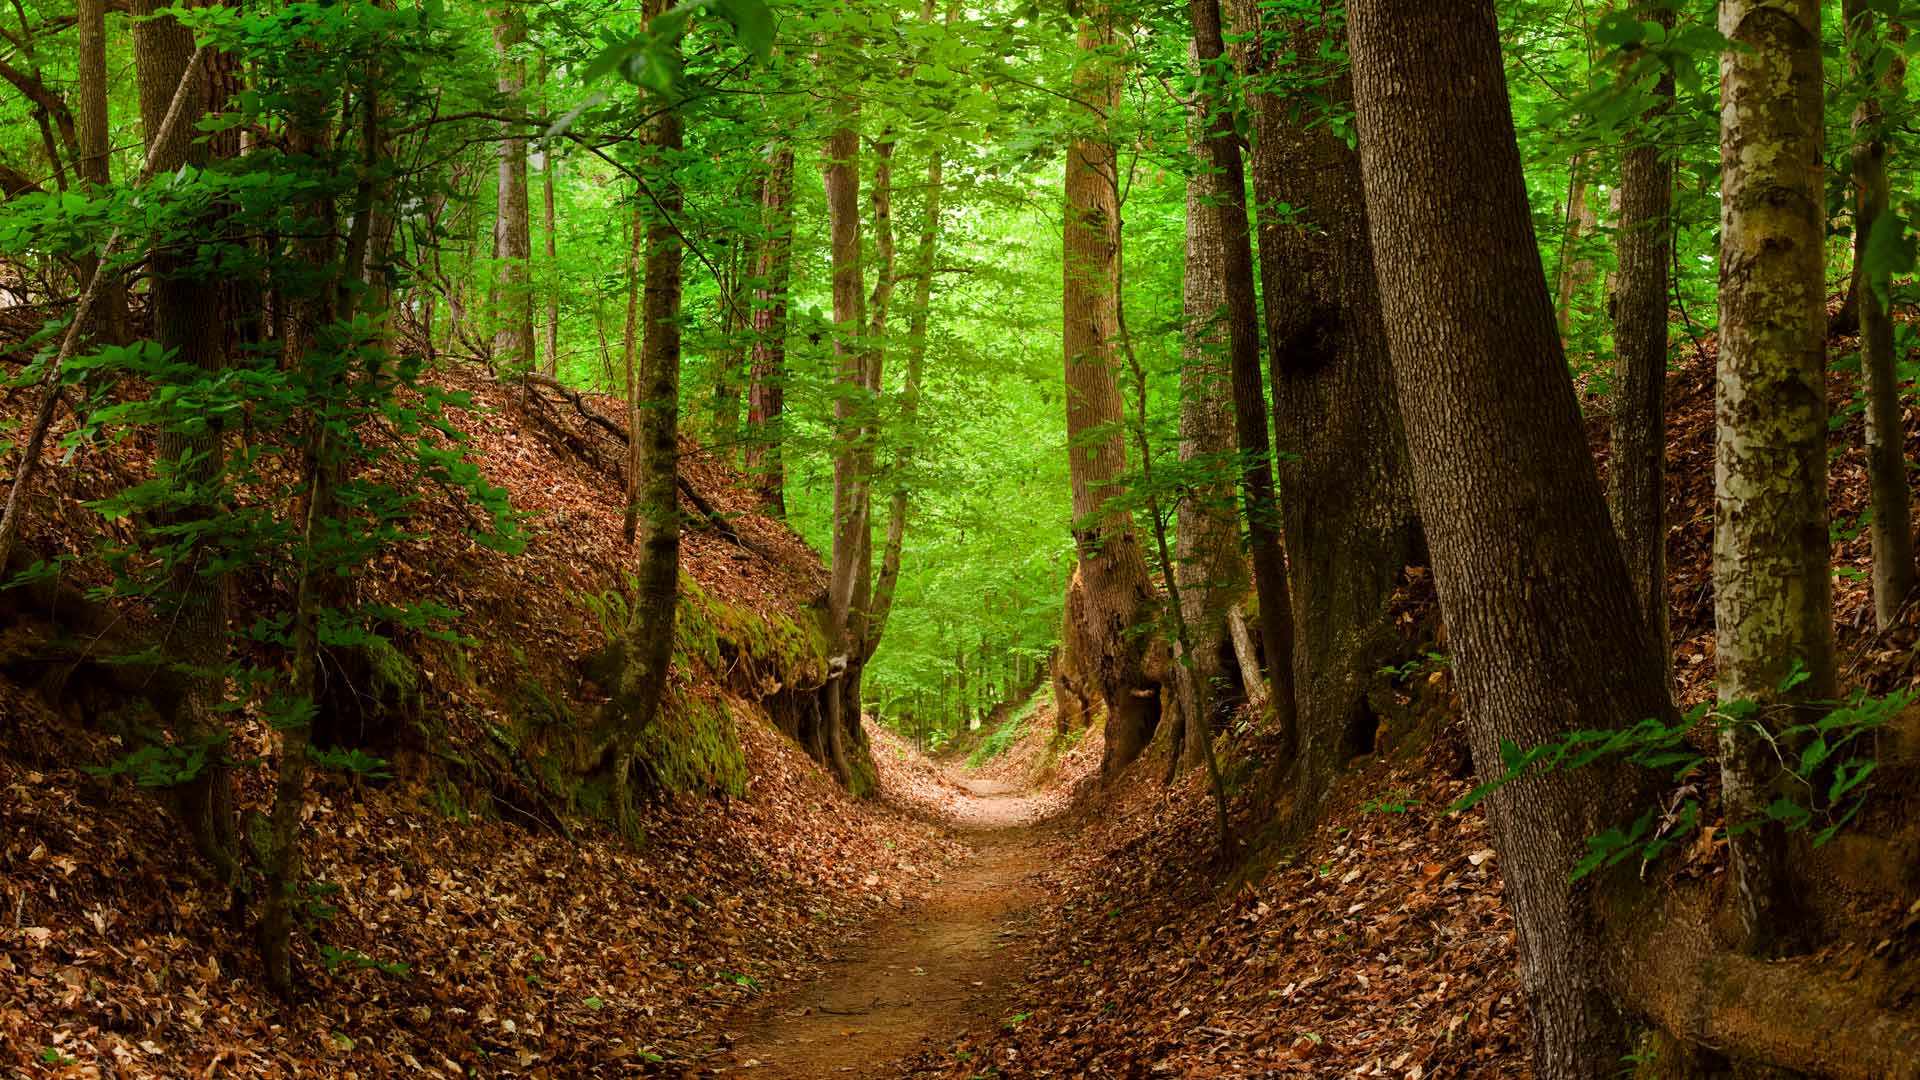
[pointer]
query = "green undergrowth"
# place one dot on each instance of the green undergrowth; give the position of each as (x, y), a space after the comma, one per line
(1009, 731)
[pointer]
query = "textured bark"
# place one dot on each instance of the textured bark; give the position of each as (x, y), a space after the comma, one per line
(766, 393)
(1892, 529)
(1225, 198)
(1347, 488)
(1113, 572)
(1209, 570)
(1545, 632)
(1637, 463)
(186, 317)
(513, 236)
(656, 453)
(630, 350)
(94, 165)
(1772, 571)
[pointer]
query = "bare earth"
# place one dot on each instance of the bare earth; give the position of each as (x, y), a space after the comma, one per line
(921, 977)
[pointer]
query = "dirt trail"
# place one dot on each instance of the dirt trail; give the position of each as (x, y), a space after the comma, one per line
(926, 974)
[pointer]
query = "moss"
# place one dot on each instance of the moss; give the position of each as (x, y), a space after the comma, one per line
(694, 748)
(395, 678)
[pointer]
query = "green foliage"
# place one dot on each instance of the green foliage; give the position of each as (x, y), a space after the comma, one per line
(1823, 755)
(336, 960)
(1009, 731)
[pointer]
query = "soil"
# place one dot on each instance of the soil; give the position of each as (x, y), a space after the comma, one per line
(924, 977)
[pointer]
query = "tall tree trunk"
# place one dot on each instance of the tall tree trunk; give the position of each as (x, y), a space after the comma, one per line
(1118, 597)
(1346, 485)
(187, 318)
(1772, 569)
(649, 650)
(1892, 529)
(94, 164)
(513, 236)
(846, 606)
(904, 450)
(1226, 199)
(766, 394)
(1495, 439)
(552, 351)
(636, 239)
(1209, 571)
(1637, 463)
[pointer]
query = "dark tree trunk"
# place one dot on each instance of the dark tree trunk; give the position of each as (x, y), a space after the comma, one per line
(1637, 464)
(94, 165)
(187, 318)
(1226, 199)
(1546, 634)
(513, 235)
(1346, 487)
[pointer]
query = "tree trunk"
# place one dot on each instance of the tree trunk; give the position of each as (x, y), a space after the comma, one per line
(1532, 585)
(1637, 463)
(766, 394)
(656, 431)
(1575, 270)
(1118, 597)
(513, 237)
(94, 164)
(903, 453)
(1772, 571)
(552, 357)
(1892, 529)
(852, 505)
(1225, 197)
(1347, 488)
(187, 318)
(1209, 570)
(636, 240)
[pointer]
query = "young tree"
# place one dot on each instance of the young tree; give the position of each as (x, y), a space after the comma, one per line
(513, 227)
(94, 165)
(1116, 594)
(1636, 470)
(1545, 632)
(655, 443)
(1879, 70)
(1772, 567)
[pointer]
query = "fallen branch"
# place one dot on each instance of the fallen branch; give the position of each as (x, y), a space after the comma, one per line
(713, 517)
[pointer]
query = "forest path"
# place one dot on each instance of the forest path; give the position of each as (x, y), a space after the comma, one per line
(926, 974)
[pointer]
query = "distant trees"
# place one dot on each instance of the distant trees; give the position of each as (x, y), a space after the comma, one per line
(513, 224)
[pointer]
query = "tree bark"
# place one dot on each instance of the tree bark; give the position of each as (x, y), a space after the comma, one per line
(1226, 199)
(656, 452)
(1118, 597)
(187, 319)
(94, 164)
(1545, 631)
(1772, 571)
(1892, 529)
(1209, 571)
(630, 350)
(766, 393)
(512, 239)
(552, 351)
(1346, 485)
(1637, 462)
(1575, 270)
(852, 504)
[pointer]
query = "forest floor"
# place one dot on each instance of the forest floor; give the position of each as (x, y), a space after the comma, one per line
(918, 977)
